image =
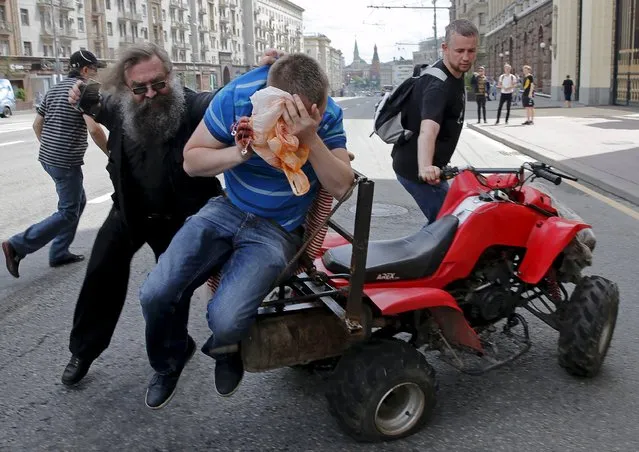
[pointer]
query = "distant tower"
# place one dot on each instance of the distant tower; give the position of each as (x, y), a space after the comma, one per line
(375, 69)
(356, 57)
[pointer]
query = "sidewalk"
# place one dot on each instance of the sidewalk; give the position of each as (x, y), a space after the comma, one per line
(598, 145)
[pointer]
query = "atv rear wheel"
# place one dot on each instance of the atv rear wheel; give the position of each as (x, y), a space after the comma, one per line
(586, 325)
(382, 390)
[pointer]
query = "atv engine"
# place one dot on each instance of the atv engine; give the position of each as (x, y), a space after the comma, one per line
(491, 293)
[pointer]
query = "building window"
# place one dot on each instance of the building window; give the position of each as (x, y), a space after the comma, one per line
(108, 6)
(164, 14)
(109, 28)
(122, 30)
(80, 25)
(143, 10)
(27, 49)
(482, 19)
(24, 16)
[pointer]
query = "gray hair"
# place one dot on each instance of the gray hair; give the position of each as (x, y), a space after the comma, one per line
(130, 56)
(461, 27)
(298, 73)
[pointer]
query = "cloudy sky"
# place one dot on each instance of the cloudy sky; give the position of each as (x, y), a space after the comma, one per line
(344, 20)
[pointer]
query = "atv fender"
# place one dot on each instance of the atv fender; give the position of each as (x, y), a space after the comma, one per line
(545, 242)
(440, 303)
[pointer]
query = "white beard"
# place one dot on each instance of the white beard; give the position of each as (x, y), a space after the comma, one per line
(153, 121)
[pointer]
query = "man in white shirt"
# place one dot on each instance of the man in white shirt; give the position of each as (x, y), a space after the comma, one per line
(507, 84)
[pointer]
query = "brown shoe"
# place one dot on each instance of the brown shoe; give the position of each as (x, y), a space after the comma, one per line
(13, 261)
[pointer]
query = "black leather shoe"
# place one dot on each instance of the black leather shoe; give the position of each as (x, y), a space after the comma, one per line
(229, 371)
(70, 259)
(75, 370)
(13, 261)
(162, 387)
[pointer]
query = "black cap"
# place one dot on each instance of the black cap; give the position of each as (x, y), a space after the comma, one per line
(83, 58)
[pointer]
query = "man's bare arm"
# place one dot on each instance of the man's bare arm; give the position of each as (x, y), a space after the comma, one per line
(37, 126)
(97, 133)
(333, 168)
(428, 131)
(206, 156)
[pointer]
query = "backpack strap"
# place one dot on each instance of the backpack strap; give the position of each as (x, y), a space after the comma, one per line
(435, 72)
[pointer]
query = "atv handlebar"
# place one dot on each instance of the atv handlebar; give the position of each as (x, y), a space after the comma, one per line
(538, 169)
(554, 178)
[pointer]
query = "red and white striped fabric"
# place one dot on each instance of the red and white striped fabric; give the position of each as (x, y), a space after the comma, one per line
(317, 213)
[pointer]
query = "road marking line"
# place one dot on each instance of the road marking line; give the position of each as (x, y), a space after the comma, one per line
(611, 202)
(100, 199)
(9, 143)
(16, 129)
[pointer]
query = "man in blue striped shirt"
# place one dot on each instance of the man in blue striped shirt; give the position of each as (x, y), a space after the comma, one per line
(253, 232)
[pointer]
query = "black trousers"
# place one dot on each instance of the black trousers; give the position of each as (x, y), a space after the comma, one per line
(481, 106)
(506, 98)
(105, 284)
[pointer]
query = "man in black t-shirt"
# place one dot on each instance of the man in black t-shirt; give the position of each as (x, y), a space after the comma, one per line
(435, 112)
(569, 90)
(527, 97)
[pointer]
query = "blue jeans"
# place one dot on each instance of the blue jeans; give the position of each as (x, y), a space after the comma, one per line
(251, 253)
(429, 198)
(62, 225)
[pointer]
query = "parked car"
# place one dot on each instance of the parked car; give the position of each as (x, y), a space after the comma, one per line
(7, 98)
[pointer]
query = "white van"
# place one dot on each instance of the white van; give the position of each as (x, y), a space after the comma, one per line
(7, 98)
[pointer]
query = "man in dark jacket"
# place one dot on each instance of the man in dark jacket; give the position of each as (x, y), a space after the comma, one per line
(150, 117)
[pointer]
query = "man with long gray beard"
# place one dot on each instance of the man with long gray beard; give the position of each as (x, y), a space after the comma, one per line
(150, 117)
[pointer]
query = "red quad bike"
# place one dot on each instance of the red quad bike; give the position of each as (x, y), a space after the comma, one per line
(369, 311)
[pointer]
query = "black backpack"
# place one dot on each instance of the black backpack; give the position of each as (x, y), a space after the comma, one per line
(388, 122)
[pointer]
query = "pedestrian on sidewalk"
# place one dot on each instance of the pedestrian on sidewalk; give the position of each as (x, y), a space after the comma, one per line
(436, 108)
(62, 132)
(150, 117)
(569, 91)
(507, 84)
(527, 97)
(479, 83)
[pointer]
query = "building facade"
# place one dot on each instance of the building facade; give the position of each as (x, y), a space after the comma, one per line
(330, 59)
(210, 41)
(520, 33)
(595, 42)
(429, 51)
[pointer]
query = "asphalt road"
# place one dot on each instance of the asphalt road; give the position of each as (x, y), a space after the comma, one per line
(530, 405)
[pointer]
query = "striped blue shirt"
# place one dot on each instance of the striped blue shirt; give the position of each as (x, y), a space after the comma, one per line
(255, 186)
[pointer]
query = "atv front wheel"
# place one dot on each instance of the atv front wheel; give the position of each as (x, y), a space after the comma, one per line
(586, 325)
(382, 390)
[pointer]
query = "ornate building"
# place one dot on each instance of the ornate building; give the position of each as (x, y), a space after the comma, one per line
(519, 33)
(359, 69)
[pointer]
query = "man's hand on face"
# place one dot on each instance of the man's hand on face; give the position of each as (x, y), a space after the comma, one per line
(430, 174)
(301, 123)
(270, 56)
(74, 93)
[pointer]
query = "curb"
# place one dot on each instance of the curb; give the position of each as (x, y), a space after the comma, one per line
(584, 177)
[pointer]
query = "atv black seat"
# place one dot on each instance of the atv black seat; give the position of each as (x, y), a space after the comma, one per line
(416, 256)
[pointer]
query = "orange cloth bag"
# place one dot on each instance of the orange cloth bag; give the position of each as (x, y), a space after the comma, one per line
(273, 142)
